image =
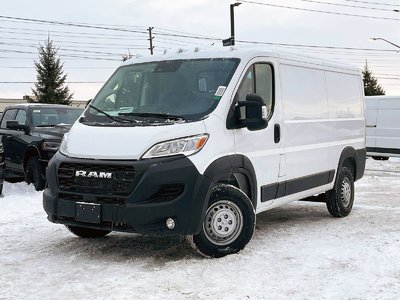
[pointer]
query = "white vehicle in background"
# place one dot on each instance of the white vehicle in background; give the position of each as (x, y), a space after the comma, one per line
(383, 126)
(196, 143)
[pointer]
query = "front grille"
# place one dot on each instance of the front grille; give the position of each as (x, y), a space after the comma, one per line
(97, 181)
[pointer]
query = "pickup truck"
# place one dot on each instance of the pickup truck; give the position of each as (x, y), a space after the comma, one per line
(31, 135)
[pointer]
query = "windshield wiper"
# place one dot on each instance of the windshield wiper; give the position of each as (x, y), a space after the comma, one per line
(155, 115)
(46, 125)
(114, 118)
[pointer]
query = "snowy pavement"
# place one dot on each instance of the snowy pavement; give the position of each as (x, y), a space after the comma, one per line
(298, 252)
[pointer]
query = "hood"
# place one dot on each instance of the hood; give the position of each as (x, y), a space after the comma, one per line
(49, 133)
(96, 142)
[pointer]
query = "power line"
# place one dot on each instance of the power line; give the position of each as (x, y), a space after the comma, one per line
(367, 2)
(346, 5)
(104, 28)
(70, 24)
(61, 55)
(68, 34)
(64, 49)
(86, 82)
(318, 11)
(79, 44)
(315, 46)
(66, 67)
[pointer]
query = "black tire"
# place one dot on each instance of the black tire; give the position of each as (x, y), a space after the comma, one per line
(34, 173)
(380, 157)
(1, 188)
(87, 233)
(228, 224)
(340, 199)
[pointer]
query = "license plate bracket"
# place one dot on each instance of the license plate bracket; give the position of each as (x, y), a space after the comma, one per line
(87, 212)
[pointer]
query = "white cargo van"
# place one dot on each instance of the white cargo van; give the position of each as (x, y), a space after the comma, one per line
(197, 143)
(383, 126)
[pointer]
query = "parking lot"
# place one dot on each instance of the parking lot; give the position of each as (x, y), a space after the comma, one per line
(298, 251)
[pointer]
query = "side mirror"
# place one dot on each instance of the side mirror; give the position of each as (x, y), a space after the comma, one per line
(252, 113)
(13, 124)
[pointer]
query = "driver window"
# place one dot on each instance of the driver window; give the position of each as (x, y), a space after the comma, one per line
(263, 83)
(21, 117)
(258, 80)
(8, 116)
(247, 86)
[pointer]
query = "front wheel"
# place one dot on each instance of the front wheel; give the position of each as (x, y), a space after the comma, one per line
(339, 200)
(87, 232)
(228, 224)
(35, 174)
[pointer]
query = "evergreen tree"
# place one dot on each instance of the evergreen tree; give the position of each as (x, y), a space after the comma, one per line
(50, 86)
(371, 86)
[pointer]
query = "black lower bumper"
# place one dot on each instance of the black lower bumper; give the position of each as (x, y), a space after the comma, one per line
(162, 188)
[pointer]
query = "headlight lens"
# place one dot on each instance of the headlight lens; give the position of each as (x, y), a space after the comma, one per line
(63, 147)
(187, 146)
(51, 145)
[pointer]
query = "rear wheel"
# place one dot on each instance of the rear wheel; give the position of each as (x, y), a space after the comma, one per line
(34, 173)
(87, 232)
(339, 200)
(228, 224)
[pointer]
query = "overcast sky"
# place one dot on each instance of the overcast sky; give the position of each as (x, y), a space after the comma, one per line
(90, 55)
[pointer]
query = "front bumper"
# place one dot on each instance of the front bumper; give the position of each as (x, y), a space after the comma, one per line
(163, 188)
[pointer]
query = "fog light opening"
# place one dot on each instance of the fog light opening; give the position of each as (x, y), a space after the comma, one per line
(170, 223)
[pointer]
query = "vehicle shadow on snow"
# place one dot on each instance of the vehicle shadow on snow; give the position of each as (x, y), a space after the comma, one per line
(126, 246)
(297, 213)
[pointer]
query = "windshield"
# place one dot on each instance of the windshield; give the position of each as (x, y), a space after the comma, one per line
(50, 116)
(186, 89)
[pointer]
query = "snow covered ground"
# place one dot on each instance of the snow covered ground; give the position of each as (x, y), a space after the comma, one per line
(299, 252)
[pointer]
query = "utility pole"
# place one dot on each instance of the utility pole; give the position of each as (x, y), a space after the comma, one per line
(151, 40)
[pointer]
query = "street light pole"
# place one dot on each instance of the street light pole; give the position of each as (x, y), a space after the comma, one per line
(232, 7)
(382, 39)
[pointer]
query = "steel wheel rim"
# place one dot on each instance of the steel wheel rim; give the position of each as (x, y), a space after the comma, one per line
(223, 222)
(346, 192)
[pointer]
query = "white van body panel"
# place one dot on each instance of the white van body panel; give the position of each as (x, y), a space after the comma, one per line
(322, 113)
(383, 126)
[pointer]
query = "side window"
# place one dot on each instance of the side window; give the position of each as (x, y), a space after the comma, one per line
(247, 85)
(8, 116)
(21, 117)
(264, 83)
(258, 80)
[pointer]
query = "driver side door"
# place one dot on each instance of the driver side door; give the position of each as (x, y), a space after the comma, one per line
(262, 146)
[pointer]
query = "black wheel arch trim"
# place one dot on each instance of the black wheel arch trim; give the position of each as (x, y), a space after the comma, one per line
(27, 154)
(226, 166)
(358, 156)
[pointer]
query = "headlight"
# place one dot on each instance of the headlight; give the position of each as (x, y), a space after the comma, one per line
(63, 147)
(187, 146)
(51, 145)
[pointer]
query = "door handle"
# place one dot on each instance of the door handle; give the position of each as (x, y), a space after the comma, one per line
(277, 133)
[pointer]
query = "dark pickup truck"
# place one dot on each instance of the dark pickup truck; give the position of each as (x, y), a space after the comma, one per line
(31, 135)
